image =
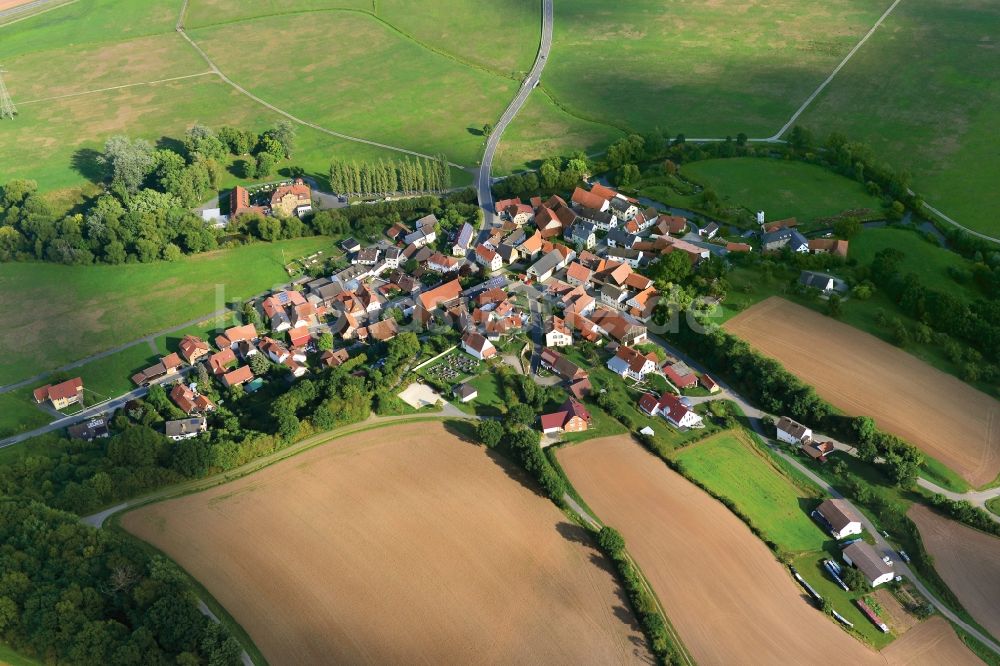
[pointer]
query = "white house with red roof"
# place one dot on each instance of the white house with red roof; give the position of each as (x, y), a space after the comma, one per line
(670, 407)
(632, 363)
(488, 258)
(478, 346)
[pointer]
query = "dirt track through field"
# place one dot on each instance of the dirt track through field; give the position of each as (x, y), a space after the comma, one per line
(969, 562)
(931, 643)
(862, 375)
(729, 599)
(398, 545)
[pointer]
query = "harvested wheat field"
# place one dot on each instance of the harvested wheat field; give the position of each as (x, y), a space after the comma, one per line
(931, 643)
(398, 545)
(861, 375)
(968, 560)
(729, 599)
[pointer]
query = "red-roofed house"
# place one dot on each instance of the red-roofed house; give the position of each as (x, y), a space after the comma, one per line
(478, 346)
(237, 377)
(193, 348)
(69, 392)
(709, 384)
(628, 362)
(190, 401)
(571, 417)
(585, 199)
(670, 407)
(295, 199)
(440, 295)
(680, 375)
(218, 363)
(299, 337)
(488, 258)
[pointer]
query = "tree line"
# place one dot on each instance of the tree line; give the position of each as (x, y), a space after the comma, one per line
(406, 176)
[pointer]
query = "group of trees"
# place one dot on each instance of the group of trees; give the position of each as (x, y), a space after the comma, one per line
(901, 461)
(555, 175)
(406, 176)
(75, 595)
(144, 213)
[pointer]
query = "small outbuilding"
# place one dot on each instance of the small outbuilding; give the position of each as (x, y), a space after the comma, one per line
(865, 558)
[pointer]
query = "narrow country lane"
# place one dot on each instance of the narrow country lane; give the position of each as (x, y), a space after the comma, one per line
(483, 179)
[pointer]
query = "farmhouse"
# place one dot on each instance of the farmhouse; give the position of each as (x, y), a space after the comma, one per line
(621, 328)
(670, 407)
(841, 516)
(774, 241)
(583, 199)
(833, 246)
(185, 428)
(478, 346)
(239, 203)
(69, 392)
(632, 363)
(235, 335)
(571, 417)
(557, 334)
(817, 450)
(543, 269)
(193, 348)
(671, 224)
(294, 199)
(866, 560)
(791, 432)
(554, 361)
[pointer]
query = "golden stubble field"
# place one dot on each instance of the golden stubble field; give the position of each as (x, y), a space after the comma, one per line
(862, 375)
(398, 545)
(730, 600)
(968, 560)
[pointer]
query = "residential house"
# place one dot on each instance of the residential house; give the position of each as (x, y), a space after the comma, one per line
(531, 246)
(478, 346)
(295, 367)
(235, 335)
(189, 400)
(818, 450)
(299, 336)
(780, 224)
(792, 432)
(563, 367)
(219, 363)
(398, 231)
(641, 304)
(632, 363)
(463, 240)
(613, 296)
(274, 350)
(773, 241)
(237, 377)
(671, 224)
(843, 520)
(543, 269)
(823, 282)
(508, 253)
(866, 559)
(833, 246)
(680, 375)
(620, 238)
(583, 199)
(488, 258)
(90, 430)
(623, 329)
(185, 428)
(465, 392)
(367, 257)
(709, 231)
(582, 234)
(624, 209)
(427, 222)
(578, 274)
(392, 257)
(441, 295)
(294, 199)
(239, 203)
(443, 264)
(626, 255)
(737, 247)
(165, 367)
(193, 348)
(572, 416)
(334, 358)
(557, 334)
(604, 221)
(670, 407)
(380, 331)
(421, 237)
(62, 395)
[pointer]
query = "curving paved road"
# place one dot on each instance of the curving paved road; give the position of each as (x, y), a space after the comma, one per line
(483, 178)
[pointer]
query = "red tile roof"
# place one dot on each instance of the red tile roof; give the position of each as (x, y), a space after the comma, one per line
(240, 375)
(444, 293)
(62, 391)
(588, 199)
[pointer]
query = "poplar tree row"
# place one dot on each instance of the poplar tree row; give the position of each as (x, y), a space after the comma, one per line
(407, 176)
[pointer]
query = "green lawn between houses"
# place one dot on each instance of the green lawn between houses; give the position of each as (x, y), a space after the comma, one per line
(79, 310)
(733, 466)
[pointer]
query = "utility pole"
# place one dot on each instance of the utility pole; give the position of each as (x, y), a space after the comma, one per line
(7, 108)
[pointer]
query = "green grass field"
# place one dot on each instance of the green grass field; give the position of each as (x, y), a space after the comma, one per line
(79, 310)
(933, 111)
(11, 658)
(732, 468)
(782, 189)
(18, 413)
(704, 69)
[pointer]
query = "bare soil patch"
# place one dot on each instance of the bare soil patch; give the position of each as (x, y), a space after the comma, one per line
(968, 560)
(398, 545)
(729, 599)
(862, 375)
(931, 643)
(10, 4)
(893, 612)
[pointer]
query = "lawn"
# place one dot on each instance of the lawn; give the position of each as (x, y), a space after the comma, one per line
(730, 466)
(542, 129)
(8, 656)
(703, 69)
(18, 413)
(782, 188)
(377, 85)
(80, 310)
(994, 505)
(931, 111)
